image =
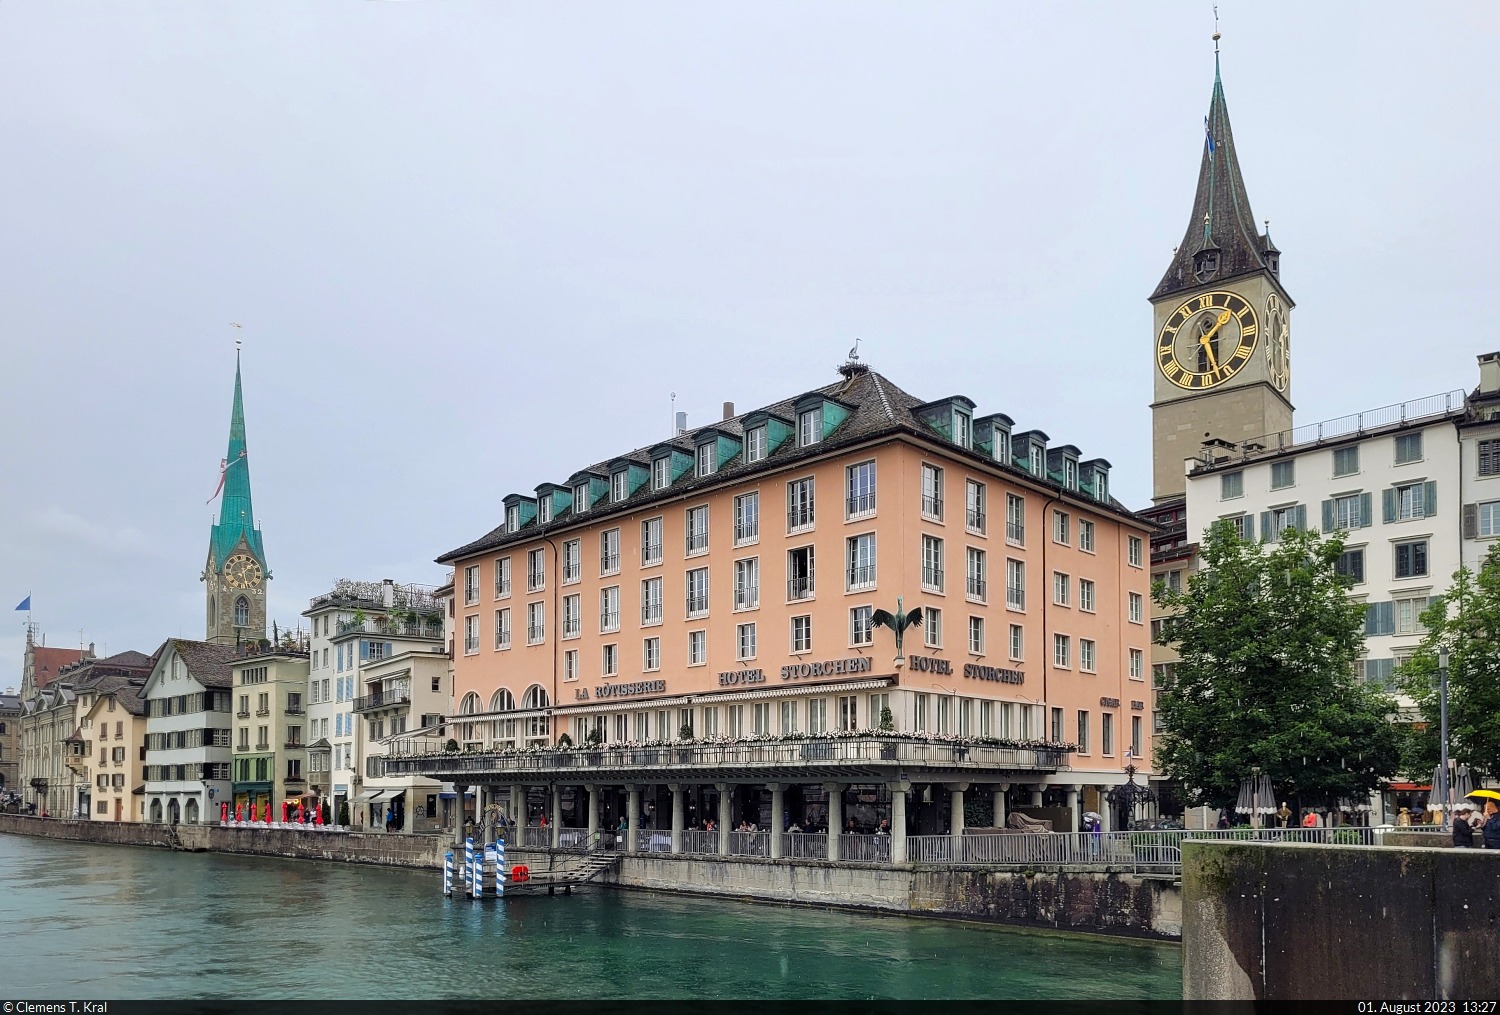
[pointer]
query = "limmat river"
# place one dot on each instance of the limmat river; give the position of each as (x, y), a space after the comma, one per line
(78, 919)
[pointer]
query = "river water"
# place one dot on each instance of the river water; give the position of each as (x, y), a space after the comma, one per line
(78, 919)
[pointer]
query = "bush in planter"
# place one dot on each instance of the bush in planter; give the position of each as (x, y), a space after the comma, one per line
(451, 746)
(887, 720)
(344, 814)
(685, 731)
(595, 738)
(564, 741)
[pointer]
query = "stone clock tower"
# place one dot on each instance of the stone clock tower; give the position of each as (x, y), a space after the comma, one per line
(1221, 355)
(236, 574)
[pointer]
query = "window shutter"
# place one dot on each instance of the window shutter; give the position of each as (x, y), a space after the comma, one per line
(388, 652)
(1388, 617)
(1471, 521)
(1366, 510)
(1249, 528)
(1372, 618)
(1265, 525)
(1328, 516)
(1388, 505)
(1429, 498)
(1302, 517)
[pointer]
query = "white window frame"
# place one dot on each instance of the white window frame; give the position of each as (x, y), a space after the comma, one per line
(651, 654)
(1137, 663)
(536, 570)
(661, 473)
(747, 518)
(859, 495)
(690, 534)
(609, 609)
(619, 486)
(932, 563)
(696, 605)
(747, 592)
(1015, 585)
(975, 494)
(1133, 551)
(861, 625)
(1136, 605)
(572, 561)
(502, 629)
(1017, 643)
(706, 459)
(647, 546)
(756, 444)
(1062, 589)
(609, 552)
(1062, 651)
(1015, 519)
(697, 648)
(801, 504)
(809, 427)
(653, 608)
(976, 636)
(1087, 595)
(1088, 655)
(536, 623)
(1086, 535)
(932, 627)
(572, 617)
(744, 642)
(859, 565)
(801, 634)
(932, 492)
(502, 577)
(471, 584)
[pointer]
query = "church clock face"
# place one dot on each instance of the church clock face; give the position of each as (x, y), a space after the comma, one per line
(1278, 343)
(1207, 340)
(242, 571)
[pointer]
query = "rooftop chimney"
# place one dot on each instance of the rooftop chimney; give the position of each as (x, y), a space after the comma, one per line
(1489, 373)
(728, 410)
(388, 592)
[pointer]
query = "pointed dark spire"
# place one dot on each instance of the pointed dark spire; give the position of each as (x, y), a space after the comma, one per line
(1221, 242)
(236, 515)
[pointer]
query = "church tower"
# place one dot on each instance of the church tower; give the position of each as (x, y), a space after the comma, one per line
(236, 573)
(1221, 357)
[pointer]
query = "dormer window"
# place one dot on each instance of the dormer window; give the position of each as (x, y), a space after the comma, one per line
(619, 486)
(1070, 474)
(963, 429)
(706, 459)
(580, 498)
(1206, 265)
(661, 473)
(512, 518)
(810, 427)
(755, 444)
(1036, 464)
(544, 510)
(1002, 445)
(1101, 486)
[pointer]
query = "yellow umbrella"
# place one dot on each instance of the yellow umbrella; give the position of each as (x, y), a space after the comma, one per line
(1488, 793)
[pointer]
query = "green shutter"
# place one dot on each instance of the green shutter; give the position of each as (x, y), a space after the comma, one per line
(1301, 517)
(1265, 526)
(1328, 516)
(1250, 528)
(1429, 499)
(1388, 505)
(1366, 512)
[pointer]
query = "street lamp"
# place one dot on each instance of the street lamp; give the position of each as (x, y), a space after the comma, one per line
(1442, 787)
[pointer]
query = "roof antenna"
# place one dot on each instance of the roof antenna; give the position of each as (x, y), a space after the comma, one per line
(674, 414)
(1216, 29)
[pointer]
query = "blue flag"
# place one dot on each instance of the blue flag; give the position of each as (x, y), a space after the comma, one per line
(1209, 133)
(25, 604)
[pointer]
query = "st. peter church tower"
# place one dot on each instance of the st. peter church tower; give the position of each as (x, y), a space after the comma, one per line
(236, 573)
(1221, 355)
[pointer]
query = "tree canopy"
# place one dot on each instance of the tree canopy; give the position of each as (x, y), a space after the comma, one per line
(1465, 620)
(1268, 638)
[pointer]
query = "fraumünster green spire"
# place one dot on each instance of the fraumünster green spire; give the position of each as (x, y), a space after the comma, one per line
(236, 516)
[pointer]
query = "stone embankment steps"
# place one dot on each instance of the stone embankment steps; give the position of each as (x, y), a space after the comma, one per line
(1079, 901)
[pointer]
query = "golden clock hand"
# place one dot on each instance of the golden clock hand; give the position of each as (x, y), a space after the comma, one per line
(1213, 362)
(1223, 320)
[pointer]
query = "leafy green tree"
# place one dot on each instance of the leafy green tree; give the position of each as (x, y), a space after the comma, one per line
(1268, 637)
(1465, 619)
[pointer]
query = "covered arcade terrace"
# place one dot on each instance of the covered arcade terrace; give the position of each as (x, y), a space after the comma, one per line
(773, 797)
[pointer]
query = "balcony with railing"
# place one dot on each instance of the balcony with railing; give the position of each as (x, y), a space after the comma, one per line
(974, 519)
(651, 554)
(860, 504)
(426, 627)
(976, 587)
(651, 612)
(382, 699)
(800, 517)
(868, 756)
(697, 605)
(609, 621)
(932, 506)
(861, 576)
(932, 578)
(1015, 597)
(799, 588)
(609, 563)
(747, 597)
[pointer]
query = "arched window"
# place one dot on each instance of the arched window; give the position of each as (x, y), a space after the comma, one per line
(469, 705)
(501, 701)
(192, 812)
(242, 612)
(213, 612)
(156, 811)
(535, 697)
(174, 813)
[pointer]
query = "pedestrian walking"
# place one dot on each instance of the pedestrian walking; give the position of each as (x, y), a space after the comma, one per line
(1463, 832)
(1491, 825)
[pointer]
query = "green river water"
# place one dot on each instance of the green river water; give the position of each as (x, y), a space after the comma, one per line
(79, 919)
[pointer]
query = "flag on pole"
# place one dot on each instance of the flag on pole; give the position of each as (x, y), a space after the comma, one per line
(223, 468)
(1209, 133)
(25, 603)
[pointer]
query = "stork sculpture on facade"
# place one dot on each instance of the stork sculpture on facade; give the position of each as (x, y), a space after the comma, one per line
(897, 622)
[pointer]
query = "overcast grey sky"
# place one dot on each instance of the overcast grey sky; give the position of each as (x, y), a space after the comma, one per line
(475, 246)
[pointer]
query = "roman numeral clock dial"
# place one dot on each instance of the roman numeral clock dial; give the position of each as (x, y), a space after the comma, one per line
(1207, 340)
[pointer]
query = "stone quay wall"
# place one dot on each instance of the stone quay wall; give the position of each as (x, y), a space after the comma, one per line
(1083, 902)
(1299, 921)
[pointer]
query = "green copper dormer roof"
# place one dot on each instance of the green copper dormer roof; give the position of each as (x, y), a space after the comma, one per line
(236, 516)
(1221, 241)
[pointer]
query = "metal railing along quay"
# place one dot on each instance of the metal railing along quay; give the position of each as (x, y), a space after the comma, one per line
(1142, 851)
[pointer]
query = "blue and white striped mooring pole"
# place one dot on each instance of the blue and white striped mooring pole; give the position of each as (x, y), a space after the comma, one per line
(448, 873)
(476, 877)
(492, 860)
(468, 859)
(499, 867)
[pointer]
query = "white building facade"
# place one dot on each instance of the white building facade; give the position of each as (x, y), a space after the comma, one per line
(188, 730)
(355, 625)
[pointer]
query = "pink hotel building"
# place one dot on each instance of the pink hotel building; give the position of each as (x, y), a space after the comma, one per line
(693, 623)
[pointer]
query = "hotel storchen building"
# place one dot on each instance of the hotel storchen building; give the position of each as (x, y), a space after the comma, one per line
(854, 609)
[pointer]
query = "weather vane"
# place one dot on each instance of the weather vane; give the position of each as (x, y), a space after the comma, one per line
(1216, 28)
(236, 341)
